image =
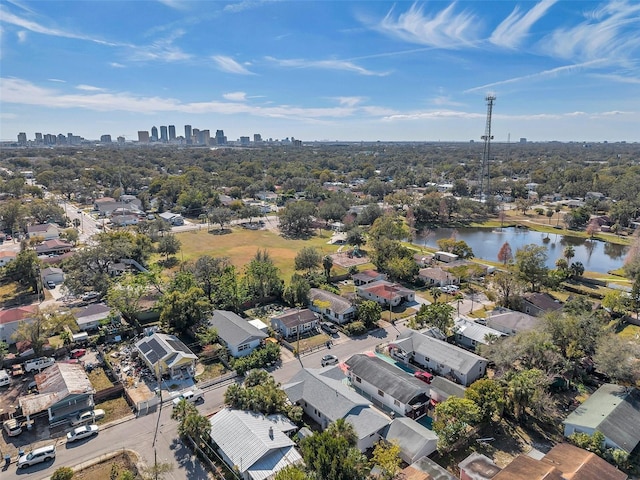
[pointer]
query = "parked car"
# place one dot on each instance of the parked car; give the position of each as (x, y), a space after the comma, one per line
(78, 352)
(329, 360)
(82, 432)
(329, 327)
(90, 296)
(4, 378)
(36, 456)
(13, 427)
(51, 285)
(87, 417)
(38, 364)
(193, 396)
(424, 376)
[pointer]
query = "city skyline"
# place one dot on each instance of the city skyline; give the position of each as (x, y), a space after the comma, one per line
(348, 71)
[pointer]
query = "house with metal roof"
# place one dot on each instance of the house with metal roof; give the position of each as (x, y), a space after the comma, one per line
(478, 467)
(386, 293)
(64, 390)
(172, 218)
(11, 318)
(439, 357)
(470, 334)
(167, 355)
(293, 322)
(426, 469)
(511, 322)
(325, 397)
(415, 441)
(89, 317)
(239, 336)
(252, 444)
(614, 411)
(388, 386)
(335, 307)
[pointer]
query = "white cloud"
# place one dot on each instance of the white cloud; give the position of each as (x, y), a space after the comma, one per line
(116, 65)
(175, 4)
(228, 64)
(617, 78)
(444, 29)
(90, 88)
(445, 100)
(22, 36)
(515, 27)
(235, 96)
(241, 6)
(343, 65)
(56, 80)
(435, 114)
(349, 101)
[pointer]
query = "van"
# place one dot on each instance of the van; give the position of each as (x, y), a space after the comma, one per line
(36, 456)
(4, 378)
(38, 363)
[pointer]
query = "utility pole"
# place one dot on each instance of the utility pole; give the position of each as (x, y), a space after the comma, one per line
(486, 154)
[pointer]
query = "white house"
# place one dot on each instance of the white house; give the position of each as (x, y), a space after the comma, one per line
(325, 398)
(293, 322)
(438, 356)
(240, 337)
(511, 322)
(46, 231)
(89, 317)
(167, 355)
(367, 276)
(336, 308)
(387, 386)
(172, 218)
(436, 276)
(386, 293)
(252, 444)
(11, 318)
(470, 334)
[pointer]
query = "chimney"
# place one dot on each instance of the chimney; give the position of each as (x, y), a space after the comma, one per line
(271, 433)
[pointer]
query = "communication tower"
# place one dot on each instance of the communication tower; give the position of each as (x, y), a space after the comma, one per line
(487, 137)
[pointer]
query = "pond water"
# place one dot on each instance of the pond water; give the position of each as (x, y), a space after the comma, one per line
(595, 255)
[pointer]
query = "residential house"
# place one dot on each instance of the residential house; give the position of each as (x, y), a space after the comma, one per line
(334, 307)
(614, 411)
(439, 357)
(367, 276)
(294, 322)
(562, 462)
(64, 390)
(436, 277)
(56, 259)
(53, 247)
(167, 355)
(478, 467)
(124, 219)
(415, 440)
(325, 398)
(99, 201)
(425, 469)
(537, 304)
(470, 334)
(90, 317)
(52, 274)
(423, 259)
(174, 219)
(239, 336)
(511, 322)
(115, 208)
(11, 318)
(46, 231)
(386, 293)
(251, 444)
(6, 256)
(387, 386)
(441, 389)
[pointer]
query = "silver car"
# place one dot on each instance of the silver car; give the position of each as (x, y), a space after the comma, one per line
(36, 456)
(82, 432)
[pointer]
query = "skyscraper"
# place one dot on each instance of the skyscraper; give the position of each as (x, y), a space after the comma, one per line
(105, 139)
(154, 134)
(143, 136)
(172, 132)
(163, 134)
(220, 138)
(39, 138)
(187, 134)
(22, 138)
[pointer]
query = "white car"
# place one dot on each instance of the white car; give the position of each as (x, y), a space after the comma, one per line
(38, 455)
(82, 432)
(87, 417)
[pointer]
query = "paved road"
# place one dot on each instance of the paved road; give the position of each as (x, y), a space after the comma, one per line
(137, 433)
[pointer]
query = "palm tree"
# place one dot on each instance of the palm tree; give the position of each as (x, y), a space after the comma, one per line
(435, 293)
(182, 410)
(343, 429)
(197, 427)
(568, 253)
(327, 264)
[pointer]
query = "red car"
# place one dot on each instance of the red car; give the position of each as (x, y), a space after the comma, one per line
(424, 376)
(78, 352)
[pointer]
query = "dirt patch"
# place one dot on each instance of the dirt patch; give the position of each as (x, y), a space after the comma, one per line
(111, 468)
(342, 259)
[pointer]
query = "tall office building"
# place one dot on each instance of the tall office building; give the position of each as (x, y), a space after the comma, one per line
(49, 139)
(163, 134)
(105, 139)
(172, 132)
(204, 137)
(257, 138)
(121, 140)
(220, 138)
(22, 138)
(39, 138)
(187, 134)
(61, 140)
(244, 141)
(143, 136)
(154, 134)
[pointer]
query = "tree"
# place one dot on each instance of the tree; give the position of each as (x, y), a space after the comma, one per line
(435, 293)
(616, 301)
(592, 228)
(389, 226)
(296, 218)
(454, 419)
(386, 455)
(262, 277)
(297, 293)
(169, 245)
(576, 269)
(327, 265)
(221, 216)
(525, 388)
(126, 296)
(369, 313)
(634, 295)
(196, 427)
(259, 393)
(180, 310)
(182, 410)
(438, 315)
(531, 265)
(291, 472)
(568, 253)
(207, 272)
(157, 471)
(489, 396)
(4, 349)
(35, 332)
(457, 247)
(505, 254)
(24, 269)
(308, 259)
(619, 359)
(63, 473)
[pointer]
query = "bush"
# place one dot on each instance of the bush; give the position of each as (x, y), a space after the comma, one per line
(62, 473)
(257, 359)
(355, 328)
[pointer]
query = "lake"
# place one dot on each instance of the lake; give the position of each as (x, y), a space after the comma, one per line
(595, 255)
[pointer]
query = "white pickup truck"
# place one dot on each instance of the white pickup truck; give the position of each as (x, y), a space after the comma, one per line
(194, 396)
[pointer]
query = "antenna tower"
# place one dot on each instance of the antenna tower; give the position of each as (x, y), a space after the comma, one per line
(487, 137)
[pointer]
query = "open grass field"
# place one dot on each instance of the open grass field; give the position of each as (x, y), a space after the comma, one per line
(241, 245)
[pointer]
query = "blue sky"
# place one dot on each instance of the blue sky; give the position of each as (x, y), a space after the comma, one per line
(322, 70)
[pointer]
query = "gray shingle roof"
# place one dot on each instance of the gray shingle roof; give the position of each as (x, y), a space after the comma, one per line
(510, 320)
(295, 317)
(410, 436)
(614, 410)
(391, 380)
(339, 304)
(233, 329)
